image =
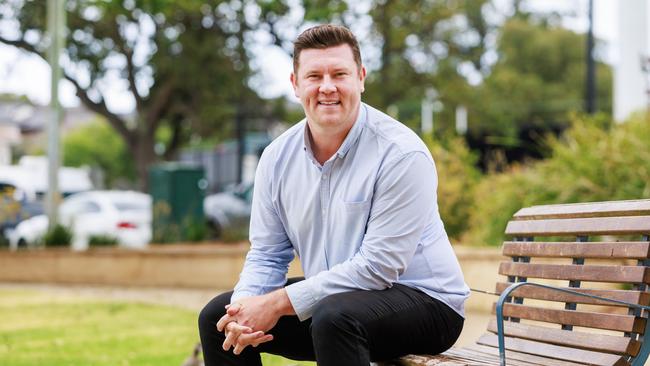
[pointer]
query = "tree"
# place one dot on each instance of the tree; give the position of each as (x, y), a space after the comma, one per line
(413, 48)
(537, 81)
(184, 63)
(80, 148)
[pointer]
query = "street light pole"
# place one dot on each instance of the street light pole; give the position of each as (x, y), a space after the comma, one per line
(590, 85)
(55, 25)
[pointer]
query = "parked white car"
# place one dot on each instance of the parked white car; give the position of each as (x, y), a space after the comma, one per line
(124, 215)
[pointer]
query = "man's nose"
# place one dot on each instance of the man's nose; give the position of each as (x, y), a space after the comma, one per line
(327, 85)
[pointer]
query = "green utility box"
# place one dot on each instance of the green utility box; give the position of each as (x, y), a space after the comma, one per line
(177, 190)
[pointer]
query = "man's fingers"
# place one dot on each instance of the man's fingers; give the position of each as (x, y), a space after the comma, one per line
(233, 332)
(221, 324)
(233, 309)
(231, 337)
(263, 339)
(245, 340)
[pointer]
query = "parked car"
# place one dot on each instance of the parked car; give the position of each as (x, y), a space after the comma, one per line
(15, 207)
(229, 210)
(123, 215)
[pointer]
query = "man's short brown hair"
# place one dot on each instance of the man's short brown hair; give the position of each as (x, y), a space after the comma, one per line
(325, 36)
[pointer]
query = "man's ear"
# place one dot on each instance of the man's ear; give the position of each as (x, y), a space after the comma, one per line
(362, 78)
(294, 83)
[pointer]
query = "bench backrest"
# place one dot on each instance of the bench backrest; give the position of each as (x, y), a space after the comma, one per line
(600, 248)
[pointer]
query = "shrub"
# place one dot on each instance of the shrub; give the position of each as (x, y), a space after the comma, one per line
(102, 240)
(592, 161)
(457, 179)
(58, 236)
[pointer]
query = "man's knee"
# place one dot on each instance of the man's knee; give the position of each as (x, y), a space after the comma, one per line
(332, 317)
(213, 311)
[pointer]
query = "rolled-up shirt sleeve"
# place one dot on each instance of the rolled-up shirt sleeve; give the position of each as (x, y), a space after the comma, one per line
(267, 261)
(403, 201)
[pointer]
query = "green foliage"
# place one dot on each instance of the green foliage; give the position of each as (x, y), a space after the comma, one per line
(98, 145)
(592, 161)
(184, 63)
(58, 236)
(168, 230)
(536, 83)
(457, 179)
(102, 240)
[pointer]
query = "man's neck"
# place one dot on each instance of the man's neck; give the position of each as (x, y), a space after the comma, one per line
(324, 144)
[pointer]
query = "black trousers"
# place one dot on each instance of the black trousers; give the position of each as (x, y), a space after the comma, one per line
(350, 328)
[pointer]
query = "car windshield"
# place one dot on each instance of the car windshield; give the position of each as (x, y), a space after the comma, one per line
(131, 205)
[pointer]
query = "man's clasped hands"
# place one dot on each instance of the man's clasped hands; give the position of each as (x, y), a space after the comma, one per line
(248, 319)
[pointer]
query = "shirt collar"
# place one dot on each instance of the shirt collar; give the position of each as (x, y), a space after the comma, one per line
(350, 139)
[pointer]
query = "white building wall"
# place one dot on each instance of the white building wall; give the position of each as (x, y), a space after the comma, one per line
(629, 80)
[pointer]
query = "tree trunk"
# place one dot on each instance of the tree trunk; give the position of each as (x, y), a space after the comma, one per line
(142, 150)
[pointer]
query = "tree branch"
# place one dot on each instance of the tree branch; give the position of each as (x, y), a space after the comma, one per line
(130, 67)
(100, 108)
(175, 141)
(161, 102)
(23, 45)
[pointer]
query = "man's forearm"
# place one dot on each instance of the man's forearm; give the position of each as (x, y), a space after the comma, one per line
(281, 302)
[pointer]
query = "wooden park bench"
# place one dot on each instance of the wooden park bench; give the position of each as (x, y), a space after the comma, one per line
(574, 292)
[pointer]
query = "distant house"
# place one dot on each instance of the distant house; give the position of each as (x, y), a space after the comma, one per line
(24, 125)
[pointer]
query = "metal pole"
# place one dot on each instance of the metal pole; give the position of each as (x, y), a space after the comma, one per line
(590, 92)
(56, 20)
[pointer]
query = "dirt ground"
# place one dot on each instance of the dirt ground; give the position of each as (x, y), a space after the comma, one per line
(191, 299)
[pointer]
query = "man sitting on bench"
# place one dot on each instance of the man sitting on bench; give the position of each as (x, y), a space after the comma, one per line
(353, 193)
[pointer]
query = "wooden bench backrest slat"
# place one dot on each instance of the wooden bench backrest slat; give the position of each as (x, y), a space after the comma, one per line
(626, 225)
(617, 322)
(634, 297)
(591, 209)
(553, 351)
(593, 273)
(588, 341)
(602, 250)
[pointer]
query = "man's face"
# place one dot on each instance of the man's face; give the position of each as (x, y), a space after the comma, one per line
(329, 85)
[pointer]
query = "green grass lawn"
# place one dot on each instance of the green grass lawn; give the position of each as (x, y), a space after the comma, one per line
(41, 328)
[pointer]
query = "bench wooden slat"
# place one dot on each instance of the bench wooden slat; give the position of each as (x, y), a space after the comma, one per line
(538, 293)
(617, 322)
(606, 250)
(582, 226)
(594, 273)
(589, 209)
(474, 354)
(588, 341)
(556, 352)
(512, 355)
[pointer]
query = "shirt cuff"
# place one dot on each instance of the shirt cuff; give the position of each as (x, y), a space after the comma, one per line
(240, 295)
(302, 298)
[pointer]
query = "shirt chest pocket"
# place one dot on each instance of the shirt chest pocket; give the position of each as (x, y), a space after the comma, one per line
(353, 217)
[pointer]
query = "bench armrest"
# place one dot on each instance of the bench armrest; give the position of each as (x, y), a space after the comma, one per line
(639, 359)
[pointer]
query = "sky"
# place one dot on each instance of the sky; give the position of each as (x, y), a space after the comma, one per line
(23, 74)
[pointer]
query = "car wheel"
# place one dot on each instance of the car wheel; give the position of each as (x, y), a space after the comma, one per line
(214, 230)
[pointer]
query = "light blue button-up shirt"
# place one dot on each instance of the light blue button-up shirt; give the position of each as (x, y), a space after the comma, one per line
(365, 219)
